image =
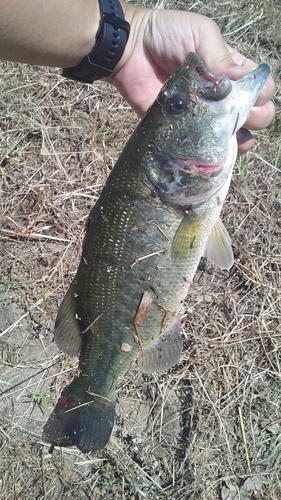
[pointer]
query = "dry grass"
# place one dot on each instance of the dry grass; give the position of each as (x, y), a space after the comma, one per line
(208, 430)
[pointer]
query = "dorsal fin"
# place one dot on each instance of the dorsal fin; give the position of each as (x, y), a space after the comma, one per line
(218, 248)
(165, 353)
(67, 328)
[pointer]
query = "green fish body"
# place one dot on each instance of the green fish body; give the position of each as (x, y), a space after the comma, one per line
(157, 215)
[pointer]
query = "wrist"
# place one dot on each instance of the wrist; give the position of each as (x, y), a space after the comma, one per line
(89, 36)
(135, 16)
(110, 42)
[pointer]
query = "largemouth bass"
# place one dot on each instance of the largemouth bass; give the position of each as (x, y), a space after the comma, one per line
(157, 215)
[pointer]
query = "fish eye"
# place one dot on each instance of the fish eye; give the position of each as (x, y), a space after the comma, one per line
(177, 105)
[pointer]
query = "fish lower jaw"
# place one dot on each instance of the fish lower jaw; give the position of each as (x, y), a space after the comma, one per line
(212, 170)
(201, 168)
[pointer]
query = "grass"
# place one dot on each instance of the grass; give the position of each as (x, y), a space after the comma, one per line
(208, 430)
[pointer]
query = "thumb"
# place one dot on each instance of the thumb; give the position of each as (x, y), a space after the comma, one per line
(210, 45)
(222, 59)
(216, 54)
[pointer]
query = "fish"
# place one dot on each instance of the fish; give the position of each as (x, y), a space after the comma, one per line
(157, 215)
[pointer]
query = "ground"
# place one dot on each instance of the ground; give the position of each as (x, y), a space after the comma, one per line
(210, 428)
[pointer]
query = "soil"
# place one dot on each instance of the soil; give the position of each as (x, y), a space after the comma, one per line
(210, 428)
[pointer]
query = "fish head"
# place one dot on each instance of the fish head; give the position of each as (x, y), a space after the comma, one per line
(192, 125)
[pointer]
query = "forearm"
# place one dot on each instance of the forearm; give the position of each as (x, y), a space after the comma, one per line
(48, 32)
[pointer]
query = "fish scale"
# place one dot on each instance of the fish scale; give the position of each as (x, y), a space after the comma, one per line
(157, 215)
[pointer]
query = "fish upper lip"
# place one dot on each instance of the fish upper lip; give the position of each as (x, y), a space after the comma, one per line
(209, 86)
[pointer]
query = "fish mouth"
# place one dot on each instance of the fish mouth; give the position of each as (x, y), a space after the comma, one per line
(191, 181)
(198, 167)
(208, 86)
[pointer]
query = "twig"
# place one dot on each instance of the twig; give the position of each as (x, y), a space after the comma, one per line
(31, 236)
(162, 232)
(92, 324)
(11, 327)
(152, 254)
(244, 439)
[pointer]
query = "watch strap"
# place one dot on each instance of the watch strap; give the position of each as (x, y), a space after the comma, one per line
(110, 44)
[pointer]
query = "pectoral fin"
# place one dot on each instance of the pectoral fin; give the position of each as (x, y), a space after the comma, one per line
(165, 353)
(186, 237)
(218, 248)
(67, 328)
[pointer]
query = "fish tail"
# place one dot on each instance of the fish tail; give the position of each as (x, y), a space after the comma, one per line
(86, 423)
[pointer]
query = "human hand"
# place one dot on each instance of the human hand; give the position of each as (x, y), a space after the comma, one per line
(158, 44)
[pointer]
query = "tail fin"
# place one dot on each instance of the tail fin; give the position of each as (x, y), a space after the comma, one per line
(86, 424)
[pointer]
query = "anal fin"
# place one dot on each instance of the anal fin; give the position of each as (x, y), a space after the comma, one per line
(67, 328)
(165, 353)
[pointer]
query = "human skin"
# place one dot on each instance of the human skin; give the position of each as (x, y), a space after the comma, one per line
(48, 32)
(53, 33)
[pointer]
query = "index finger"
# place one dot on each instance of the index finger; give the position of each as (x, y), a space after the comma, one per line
(244, 65)
(260, 116)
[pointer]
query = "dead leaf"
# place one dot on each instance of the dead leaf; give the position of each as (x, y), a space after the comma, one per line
(228, 492)
(251, 484)
(143, 309)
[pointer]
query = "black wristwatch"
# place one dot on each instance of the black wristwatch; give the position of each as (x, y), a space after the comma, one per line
(109, 47)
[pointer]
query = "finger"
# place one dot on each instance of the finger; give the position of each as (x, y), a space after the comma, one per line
(216, 56)
(260, 116)
(243, 66)
(240, 59)
(268, 90)
(245, 141)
